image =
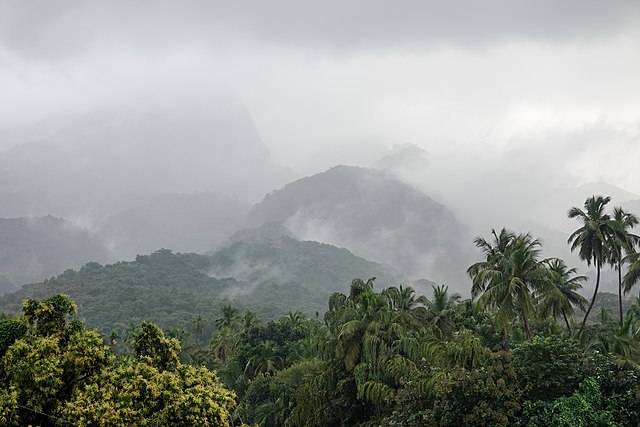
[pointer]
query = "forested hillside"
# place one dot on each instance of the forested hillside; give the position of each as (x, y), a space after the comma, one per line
(269, 276)
(374, 215)
(527, 349)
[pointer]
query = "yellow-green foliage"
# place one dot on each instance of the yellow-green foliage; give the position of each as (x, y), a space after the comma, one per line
(139, 394)
(59, 373)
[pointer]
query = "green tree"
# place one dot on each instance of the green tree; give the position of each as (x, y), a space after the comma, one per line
(592, 238)
(478, 397)
(621, 244)
(507, 280)
(229, 318)
(440, 309)
(560, 295)
(59, 373)
(151, 343)
(548, 368)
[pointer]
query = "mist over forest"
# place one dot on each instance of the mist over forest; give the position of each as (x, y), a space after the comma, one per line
(320, 214)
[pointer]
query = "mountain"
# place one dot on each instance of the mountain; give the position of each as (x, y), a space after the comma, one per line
(183, 222)
(96, 165)
(268, 258)
(260, 270)
(32, 249)
(376, 216)
(166, 288)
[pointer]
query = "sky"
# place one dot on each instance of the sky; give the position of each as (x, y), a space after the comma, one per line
(539, 91)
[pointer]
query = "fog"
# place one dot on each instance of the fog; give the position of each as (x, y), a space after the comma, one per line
(501, 111)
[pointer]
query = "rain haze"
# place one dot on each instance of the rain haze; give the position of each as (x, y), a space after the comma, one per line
(506, 113)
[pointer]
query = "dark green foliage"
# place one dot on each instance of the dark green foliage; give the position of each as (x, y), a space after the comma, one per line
(268, 402)
(11, 329)
(166, 288)
(478, 397)
(548, 368)
(587, 407)
(620, 387)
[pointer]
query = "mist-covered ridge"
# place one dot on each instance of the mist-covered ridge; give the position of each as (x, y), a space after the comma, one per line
(374, 215)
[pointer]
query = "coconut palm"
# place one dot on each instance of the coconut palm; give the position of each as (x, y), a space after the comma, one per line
(440, 309)
(621, 244)
(508, 278)
(560, 296)
(403, 303)
(229, 318)
(592, 239)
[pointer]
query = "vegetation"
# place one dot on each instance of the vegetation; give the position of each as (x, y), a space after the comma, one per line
(508, 356)
(55, 372)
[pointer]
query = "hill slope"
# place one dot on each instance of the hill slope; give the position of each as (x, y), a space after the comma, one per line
(278, 274)
(32, 249)
(376, 216)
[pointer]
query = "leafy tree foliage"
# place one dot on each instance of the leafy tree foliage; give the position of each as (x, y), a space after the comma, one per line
(56, 372)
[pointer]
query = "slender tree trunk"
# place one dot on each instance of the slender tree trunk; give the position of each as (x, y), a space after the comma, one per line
(593, 300)
(620, 290)
(527, 331)
(567, 322)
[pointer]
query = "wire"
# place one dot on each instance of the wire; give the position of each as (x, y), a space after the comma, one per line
(46, 415)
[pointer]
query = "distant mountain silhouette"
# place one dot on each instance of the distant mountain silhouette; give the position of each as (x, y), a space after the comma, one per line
(375, 216)
(32, 249)
(183, 222)
(103, 163)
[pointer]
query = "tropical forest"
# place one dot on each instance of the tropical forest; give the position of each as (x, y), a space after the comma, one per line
(525, 349)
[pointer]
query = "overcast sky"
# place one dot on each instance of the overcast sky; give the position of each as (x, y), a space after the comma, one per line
(537, 87)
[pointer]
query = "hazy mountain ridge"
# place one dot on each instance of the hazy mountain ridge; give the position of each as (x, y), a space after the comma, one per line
(263, 257)
(103, 163)
(183, 222)
(32, 249)
(276, 275)
(374, 215)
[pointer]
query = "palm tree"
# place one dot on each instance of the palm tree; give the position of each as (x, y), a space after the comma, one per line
(229, 318)
(249, 319)
(404, 304)
(264, 360)
(560, 295)
(592, 239)
(439, 308)
(508, 278)
(198, 325)
(622, 242)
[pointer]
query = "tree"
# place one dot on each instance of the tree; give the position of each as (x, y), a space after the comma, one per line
(59, 373)
(622, 243)
(549, 367)
(440, 309)
(508, 278)
(592, 239)
(229, 318)
(560, 294)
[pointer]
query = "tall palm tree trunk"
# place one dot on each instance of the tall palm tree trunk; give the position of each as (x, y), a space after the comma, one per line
(620, 290)
(566, 320)
(593, 299)
(527, 331)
